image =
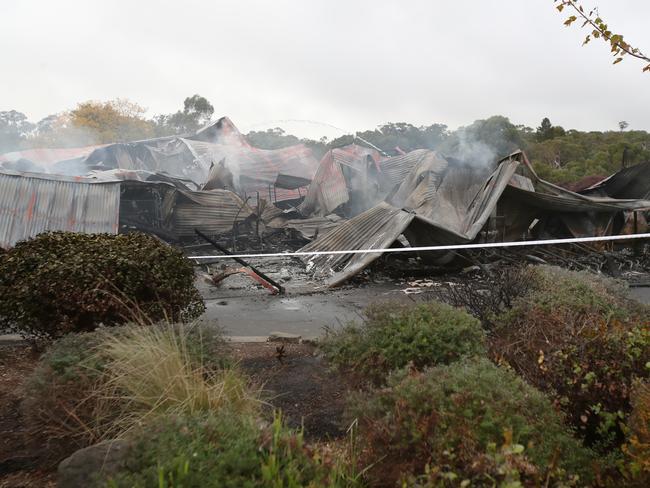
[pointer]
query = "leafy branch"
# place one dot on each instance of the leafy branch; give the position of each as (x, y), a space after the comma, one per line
(600, 30)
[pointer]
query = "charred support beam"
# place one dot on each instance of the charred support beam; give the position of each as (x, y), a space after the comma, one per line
(240, 261)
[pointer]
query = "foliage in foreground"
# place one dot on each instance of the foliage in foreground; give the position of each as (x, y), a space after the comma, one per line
(470, 420)
(65, 282)
(226, 450)
(98, 385)
(637, 449)
(394, 335)
(577, 337)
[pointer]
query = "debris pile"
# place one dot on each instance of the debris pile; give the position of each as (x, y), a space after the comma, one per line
(239, 197)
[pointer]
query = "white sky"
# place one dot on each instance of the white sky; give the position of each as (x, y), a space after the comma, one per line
(352, 64)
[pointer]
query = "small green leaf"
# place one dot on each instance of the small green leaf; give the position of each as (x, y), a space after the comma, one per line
(517, 449)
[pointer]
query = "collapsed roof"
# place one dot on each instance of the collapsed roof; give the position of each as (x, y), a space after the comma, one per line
(442, 203)
(632, 182)
(191, 158)
(214, 180)
(152, 185)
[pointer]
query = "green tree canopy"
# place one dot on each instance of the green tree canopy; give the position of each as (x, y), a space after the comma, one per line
(14, 128)
(197, 112)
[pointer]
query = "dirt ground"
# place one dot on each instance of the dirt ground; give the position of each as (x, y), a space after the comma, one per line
(298, 383)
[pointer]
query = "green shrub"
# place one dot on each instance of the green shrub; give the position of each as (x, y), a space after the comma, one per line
(470, 420)
(637, 447)
(226, 450)
(577, 337)
(59, 402)
(394, 335)
(65, 282)
(192, 451)
(94, 385)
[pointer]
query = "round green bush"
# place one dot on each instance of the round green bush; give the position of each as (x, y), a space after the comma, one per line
(470, 420)
(64, 282)
(394, 335)
(579, 338)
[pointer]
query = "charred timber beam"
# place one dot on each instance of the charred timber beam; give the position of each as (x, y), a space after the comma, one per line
(240, 261)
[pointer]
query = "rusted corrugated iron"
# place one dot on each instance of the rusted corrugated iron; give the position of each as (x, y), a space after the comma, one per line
(31, 204)
(257, 170)
(212, 212)
(330, 187)
(395, 169)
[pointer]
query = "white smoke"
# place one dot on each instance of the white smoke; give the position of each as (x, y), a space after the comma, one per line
(473, 151)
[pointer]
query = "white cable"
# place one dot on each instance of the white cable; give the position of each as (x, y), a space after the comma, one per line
(432, 248)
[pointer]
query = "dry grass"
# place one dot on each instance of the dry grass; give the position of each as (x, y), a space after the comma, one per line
(101, 385)
(153, 370)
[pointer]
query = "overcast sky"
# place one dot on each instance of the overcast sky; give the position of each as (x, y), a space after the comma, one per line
(352, 64)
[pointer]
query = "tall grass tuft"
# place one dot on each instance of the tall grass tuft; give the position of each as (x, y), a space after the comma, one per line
(155, 370)
(100, 385)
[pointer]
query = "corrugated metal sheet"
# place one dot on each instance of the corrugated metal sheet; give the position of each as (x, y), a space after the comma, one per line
(308, 228)
(255, 170)
(30, 205)
(212, 212)
(376, 228)
(223, 131)
(632, 182)
(353, 153)
(397, 168)
(550, 197)
(162, 155)
(561, 203)
(329, 188)
(191, 157)
(441, 203)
